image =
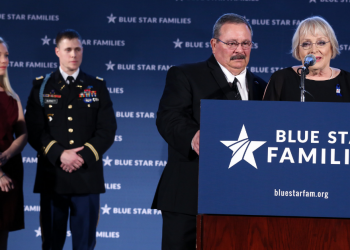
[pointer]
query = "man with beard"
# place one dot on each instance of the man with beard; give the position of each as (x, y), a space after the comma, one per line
(223, 76)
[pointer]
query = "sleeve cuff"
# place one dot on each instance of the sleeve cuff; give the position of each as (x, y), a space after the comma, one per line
(89, 154)
(93, 150)
(53, 152)
(48, 147)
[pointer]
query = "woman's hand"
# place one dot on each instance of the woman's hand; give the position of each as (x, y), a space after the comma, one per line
(6, 184)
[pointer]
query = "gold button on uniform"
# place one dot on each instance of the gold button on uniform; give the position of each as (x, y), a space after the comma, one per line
(70, 130)
(70, 119)
(71, 142)
(70, 106)
(89, 105)
(50, 106)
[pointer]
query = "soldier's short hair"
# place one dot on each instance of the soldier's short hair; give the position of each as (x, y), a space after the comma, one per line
(67, 34)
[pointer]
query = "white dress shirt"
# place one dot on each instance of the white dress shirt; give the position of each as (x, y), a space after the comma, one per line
(65, 75)
(241, 84)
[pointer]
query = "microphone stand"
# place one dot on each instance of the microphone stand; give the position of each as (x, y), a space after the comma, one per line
(303, 72)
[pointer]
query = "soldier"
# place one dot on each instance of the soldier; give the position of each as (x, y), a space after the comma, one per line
(71, 124)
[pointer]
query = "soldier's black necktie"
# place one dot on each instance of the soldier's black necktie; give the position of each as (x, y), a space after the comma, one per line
(70, 80)
(234, 87)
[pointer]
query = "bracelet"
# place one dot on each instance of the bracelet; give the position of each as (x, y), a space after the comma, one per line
(2, 176)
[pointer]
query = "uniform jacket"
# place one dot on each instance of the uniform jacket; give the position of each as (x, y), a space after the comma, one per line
(68, 121)
(178, 120)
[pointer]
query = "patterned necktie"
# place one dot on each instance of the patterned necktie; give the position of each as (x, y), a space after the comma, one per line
(234, 87)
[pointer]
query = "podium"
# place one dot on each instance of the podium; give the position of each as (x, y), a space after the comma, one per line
(274, 175)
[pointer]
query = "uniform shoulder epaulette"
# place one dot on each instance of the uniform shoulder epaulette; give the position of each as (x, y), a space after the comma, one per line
(39, 78)
(99, 78)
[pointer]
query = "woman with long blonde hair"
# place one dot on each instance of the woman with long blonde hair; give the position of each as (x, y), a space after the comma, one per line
(11, 166)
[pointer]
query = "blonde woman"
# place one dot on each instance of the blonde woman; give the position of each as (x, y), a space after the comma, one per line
(11, 167)
(324, 83)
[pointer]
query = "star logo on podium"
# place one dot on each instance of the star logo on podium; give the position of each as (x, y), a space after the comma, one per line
(38, 232)
(105, 209)
(243, 149)
(107, 161)
(111, 18)
(110, 66)
(177, 43)
(46, 40)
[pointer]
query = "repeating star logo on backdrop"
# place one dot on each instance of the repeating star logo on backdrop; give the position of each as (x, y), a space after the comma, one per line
(38, 232)
(105, 209)
(177, 43)
(46, 40)
(111, 18)
(243, 149)
(107, 161)
(312, 1)
(110, 65)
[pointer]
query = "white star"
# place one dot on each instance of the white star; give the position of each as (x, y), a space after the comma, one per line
(243, 149)
(110, 65)
(312, 1)
(111, 18)
(177, 43)
(105, 209)
(38, 232)
(46, 40)
(107, 161)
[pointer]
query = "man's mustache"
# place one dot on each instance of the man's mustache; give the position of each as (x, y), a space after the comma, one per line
(238, 56)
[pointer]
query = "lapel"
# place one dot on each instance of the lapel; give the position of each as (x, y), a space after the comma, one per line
(250, 81)
(77, 87)
(220, 78)
(57, 84)
(253, 86)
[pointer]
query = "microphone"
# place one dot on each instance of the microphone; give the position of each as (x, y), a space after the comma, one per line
(309, 60)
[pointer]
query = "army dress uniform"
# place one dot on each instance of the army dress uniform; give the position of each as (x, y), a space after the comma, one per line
(66, 116)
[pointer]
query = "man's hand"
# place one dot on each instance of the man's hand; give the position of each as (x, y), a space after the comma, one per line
(66, 168)
(70, 160)
(195, 142)
(5, 183)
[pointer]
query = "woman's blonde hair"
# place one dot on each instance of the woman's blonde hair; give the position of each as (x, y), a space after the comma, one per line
(314, 25)
(5, 81)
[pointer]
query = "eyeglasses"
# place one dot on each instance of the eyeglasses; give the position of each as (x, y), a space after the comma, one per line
(308, 45)
(234, 45)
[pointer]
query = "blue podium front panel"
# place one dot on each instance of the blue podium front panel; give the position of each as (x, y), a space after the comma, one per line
(274, 158)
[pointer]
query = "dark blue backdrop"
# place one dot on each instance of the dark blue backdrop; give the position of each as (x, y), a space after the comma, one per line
(131, 44)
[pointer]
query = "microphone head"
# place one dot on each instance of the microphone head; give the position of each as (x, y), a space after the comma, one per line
(309, 60)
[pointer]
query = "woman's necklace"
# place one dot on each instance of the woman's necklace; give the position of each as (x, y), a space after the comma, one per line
(331, 73)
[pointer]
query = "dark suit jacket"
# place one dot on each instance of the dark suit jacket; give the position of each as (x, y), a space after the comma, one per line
(69, 122)
(178, 120)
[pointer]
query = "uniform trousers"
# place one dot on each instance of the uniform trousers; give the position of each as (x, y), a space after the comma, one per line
(179, 231)
(83, 211)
